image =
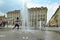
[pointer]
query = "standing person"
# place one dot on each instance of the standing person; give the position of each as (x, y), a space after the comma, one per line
(16, 23)
(0, 23)
(3, 23)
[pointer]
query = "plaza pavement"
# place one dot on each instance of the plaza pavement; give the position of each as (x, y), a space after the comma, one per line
(42, 28)
(44, 33)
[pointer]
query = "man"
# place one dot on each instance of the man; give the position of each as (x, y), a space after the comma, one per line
(16, 23)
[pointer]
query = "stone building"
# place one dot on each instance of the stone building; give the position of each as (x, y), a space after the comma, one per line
(2, 18)
(56, 18)
(36, 15)
(12, 15)
(52, 22)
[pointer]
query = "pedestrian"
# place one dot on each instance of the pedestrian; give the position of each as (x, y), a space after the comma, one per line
(16, 23)
(0, 23)
(3, 23)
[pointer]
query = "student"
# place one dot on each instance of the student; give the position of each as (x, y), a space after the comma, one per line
(16, 23)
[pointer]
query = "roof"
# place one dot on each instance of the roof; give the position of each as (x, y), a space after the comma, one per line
(2, 16)
(39, 8)
(13, 11)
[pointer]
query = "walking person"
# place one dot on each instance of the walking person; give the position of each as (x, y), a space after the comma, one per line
(16, 23)
(3, 23)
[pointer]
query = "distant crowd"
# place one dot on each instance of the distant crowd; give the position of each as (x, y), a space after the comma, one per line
(3, 23)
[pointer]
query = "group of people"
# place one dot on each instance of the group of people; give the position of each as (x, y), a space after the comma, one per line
(15, 22)
(2, 23)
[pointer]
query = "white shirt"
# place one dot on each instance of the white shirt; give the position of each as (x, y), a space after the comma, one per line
(16, 22)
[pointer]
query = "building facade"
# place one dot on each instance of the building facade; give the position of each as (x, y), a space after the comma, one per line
(56, 18)
(52, 22)
(12, 15)
(2, 18)
(37, 15)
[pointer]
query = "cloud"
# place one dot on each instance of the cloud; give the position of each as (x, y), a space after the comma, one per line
(33, 5)
(51, 10)
(19, 2)
(38, 3)
(1, 2)
(1, 14)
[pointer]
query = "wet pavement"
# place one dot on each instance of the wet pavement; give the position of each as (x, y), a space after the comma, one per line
(28, 35)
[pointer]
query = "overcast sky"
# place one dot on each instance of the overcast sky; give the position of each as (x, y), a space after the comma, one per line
(8, 5)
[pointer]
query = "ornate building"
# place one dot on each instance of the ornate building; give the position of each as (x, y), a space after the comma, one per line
(37, 15)
(12, 15)
(2, 18)
(56, 18)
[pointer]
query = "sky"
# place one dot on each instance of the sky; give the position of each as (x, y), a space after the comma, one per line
(9, 5)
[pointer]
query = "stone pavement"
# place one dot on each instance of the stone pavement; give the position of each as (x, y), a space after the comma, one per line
(29, 35)
(42, 28)
(53, 28)
(56, 29)
(44, 33)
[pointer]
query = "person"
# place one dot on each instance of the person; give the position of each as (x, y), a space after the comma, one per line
(16, 23)
(0, 23)
(3, 23)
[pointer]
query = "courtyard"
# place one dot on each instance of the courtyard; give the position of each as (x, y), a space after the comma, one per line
(10, 34)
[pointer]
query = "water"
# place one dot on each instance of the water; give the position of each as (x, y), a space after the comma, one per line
(25, 17)
(40, 24)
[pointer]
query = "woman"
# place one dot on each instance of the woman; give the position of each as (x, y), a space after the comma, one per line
(16, 23)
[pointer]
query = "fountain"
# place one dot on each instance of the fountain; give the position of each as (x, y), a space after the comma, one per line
(40, 24)
(25, 17)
